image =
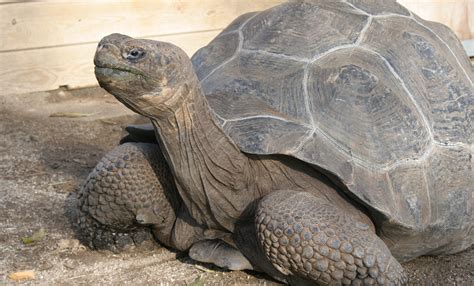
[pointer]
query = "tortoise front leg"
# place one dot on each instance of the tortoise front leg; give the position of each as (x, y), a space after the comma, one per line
(317, 242)
(126, 198)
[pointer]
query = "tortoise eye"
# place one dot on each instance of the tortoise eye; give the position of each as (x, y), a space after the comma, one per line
(135, 54)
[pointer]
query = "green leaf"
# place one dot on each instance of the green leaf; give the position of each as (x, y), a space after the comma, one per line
(37, 236)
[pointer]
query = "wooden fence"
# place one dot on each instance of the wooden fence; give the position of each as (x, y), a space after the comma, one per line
(47, 44)
(457, 14)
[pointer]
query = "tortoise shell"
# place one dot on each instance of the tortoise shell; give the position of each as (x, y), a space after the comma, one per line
(365, 91)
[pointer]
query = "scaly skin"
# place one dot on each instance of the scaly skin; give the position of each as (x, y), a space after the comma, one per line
(127, 197)
(308, 237)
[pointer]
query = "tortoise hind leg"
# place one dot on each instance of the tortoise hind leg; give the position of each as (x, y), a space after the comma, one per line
(123, 200)
(311, 239)
(220, 254)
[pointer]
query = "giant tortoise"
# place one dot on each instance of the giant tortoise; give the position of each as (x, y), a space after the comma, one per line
(317, 141)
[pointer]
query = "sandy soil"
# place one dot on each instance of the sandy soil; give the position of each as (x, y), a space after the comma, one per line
(43, 159)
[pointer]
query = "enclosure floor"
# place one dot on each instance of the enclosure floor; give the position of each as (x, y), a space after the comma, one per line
(43, 159)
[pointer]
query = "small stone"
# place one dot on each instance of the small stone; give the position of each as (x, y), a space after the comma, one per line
(72, 245)
(70, 264)
(22, 275)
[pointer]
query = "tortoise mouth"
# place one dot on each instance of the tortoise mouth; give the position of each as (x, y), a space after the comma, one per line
(109, 70)
(105, 74)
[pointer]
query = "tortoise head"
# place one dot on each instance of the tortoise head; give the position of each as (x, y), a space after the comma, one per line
(148, 76)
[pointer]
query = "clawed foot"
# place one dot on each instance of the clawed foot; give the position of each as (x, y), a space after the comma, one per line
(123, 203)
(98, 236)
(314, 241)
(220, 254)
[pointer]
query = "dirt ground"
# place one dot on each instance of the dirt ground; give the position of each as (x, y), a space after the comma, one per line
(44, 158)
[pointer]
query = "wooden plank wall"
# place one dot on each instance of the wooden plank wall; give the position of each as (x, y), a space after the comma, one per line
(47, 44)
(456, 14)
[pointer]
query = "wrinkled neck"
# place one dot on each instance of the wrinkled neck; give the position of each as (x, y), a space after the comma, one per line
(208, 167)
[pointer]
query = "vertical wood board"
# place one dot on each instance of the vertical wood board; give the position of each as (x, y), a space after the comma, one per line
(45, 44)
(36, 25)
(456, 14)
(47, 69)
